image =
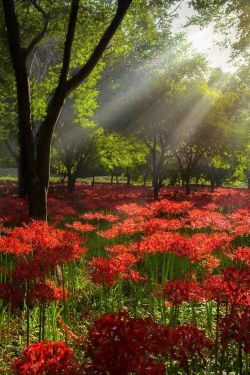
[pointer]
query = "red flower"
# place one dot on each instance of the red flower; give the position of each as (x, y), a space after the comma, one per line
(12, 245)
(118, 344)
(236, 327)
(46, 292)
(111, 271)
(242, 254)
(179, 291)
(80, 227)
(45, 358)
(187, 344)
(10, 294)
(99, 216)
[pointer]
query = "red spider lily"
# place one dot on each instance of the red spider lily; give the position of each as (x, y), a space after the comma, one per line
(12, 245)
(242, 255)
(188, 344)
(204, 219)
(50, 246)
(80, 227)
(170, 207)
(118, 249)
(215, 288)
(237, 283)
(46, 292)
(133, 209)
(111, 271)
(30, 269)
(162, 242)
(179, 291)
(232, 286)
(211, 263)
(99, 216)
(127, 226)
(133, 343)
(235, 326)
(11, 294)
(201, 245)
(45, 358)
(156, 224)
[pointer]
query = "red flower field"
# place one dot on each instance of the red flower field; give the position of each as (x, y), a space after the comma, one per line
(116, 283)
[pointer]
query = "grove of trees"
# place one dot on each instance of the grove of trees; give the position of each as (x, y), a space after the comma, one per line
(107, 88)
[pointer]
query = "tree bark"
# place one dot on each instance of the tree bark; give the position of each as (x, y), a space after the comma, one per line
(128, 179)
(71, 182)
(156, 189)
(212, 185)
(187, 185)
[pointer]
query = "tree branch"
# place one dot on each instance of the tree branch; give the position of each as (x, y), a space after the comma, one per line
(85, 71)
(39, 36)
(69, 41)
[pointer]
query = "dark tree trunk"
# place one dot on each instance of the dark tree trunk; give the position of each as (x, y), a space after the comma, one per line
(248, 182)
(156, 189)
(93, 181)
(160, 182)
(212, 185)
(187, 186)
(112, 179)
(117, 180)
(22, 188)
(128, 179)
(71, 183)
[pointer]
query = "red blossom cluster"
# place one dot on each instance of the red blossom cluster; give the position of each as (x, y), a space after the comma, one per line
(127, 226)
(136, 343)
(80, 227)
(46, 358)
(46, 292)
(196, 247)
(110, 271)
(179, 291)
(99, 216)
(133, 209)
(37, 250)
(156, 224)
(170, 207)
(188, 344)
(242, 255)
(118, 344)
(232, 286)
(235, 326)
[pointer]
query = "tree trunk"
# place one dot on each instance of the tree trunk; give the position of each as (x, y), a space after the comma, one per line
(116, 180)
(71, 183)
(212, 185)
(128, 179)
(156, 189)
(93, 181)
(22, 188)
(37, 195)
(187, 186)
(248, 182)
(197, 182)
(112, 179)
